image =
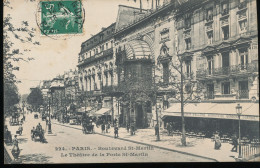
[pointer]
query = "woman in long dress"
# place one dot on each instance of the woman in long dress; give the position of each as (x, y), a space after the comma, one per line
(217, 142)
(15, 150)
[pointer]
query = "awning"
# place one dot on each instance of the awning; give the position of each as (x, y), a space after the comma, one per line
(250, 111)
(103, 111)
(83, 109)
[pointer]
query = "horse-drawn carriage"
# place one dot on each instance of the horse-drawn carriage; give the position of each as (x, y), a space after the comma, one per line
(38, 134)
(35, 116)
(87, 126)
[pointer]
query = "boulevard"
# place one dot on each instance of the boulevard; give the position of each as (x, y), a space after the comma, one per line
(68, 145)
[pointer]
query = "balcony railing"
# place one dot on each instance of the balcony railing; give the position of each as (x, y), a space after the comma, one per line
(234, 69)
(99, 55)
(243, 94)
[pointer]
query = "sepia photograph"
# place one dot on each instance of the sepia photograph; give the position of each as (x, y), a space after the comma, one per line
(130, 81)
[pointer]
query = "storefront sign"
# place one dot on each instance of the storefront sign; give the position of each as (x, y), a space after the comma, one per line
(220, 116)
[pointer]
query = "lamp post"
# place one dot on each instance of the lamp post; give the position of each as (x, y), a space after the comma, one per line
(49, 124)
(239, 112)
(157, 120)
(23, 108)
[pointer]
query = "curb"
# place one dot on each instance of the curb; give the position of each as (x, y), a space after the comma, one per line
(159, 147)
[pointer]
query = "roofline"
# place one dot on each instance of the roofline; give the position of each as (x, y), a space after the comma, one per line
(132, 7)
(98, 33)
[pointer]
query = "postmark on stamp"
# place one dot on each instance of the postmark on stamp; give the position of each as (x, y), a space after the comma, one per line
(61, 17)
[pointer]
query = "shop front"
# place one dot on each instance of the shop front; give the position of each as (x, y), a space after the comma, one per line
(215, 117)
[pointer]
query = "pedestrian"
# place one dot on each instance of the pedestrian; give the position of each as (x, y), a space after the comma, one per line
(168, 127)
(127, 127)
(20, 129)
(217, 142)
(234, 143)
(103, 128)
(32, 132)
(156, 128)
(116, 131)
(107, 127)
(15, 151)
(132, 129)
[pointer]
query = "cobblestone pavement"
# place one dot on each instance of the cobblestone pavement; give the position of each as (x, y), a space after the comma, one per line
(69, 145)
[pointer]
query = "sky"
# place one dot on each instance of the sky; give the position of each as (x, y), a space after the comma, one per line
(53, 57)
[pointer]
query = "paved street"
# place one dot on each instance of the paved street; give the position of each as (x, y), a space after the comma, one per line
(70, 145)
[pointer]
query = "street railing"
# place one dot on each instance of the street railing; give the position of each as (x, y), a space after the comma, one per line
(249, 150)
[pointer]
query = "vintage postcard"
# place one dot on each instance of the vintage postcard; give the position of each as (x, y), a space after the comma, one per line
(130, 81)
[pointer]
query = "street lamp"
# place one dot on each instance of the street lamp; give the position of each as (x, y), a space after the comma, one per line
(157, 120)
(49, 124)
(239, 112)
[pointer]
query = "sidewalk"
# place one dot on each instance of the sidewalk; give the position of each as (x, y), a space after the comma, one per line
(198, 147)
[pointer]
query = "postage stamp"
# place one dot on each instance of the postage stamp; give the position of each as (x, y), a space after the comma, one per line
(61, 17)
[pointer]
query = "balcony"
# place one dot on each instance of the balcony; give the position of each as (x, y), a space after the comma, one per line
(100, 55)
(231, 70)
(243, 94)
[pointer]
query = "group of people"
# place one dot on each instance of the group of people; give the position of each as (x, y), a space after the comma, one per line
(38, 130)
(218, 142)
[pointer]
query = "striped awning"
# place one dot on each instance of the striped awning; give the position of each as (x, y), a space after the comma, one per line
(250, 111)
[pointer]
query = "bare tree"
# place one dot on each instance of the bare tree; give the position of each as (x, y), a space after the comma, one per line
(185, 86)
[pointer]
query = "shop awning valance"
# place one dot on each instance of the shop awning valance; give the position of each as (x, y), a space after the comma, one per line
(250, 111)
(103, 111)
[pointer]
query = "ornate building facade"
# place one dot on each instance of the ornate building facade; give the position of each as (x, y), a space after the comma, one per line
(214, 42)
(96, 68)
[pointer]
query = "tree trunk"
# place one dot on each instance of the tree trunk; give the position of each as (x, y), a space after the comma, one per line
(183, 139)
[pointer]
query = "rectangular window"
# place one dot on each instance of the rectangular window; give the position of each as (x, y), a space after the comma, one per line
(243, 26)
(210, 91)
(210, 37)
(225, 9)
(210, 65)
(166, 72)
(243, 90)
(243, 58)
(106, 46)
(188, 68)
(188, 43)
(242, 4)
(226, 88)
(225, 32)
(164, 34)
(210, 14)
(187, 23)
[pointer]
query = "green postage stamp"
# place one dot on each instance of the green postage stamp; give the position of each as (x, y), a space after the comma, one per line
(61, 17)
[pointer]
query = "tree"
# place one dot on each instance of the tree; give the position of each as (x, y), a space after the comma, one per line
(12, 37)
(35, 98)
(184, 84)
(11, 96)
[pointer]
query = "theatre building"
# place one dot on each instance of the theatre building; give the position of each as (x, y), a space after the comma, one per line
(219, 40)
